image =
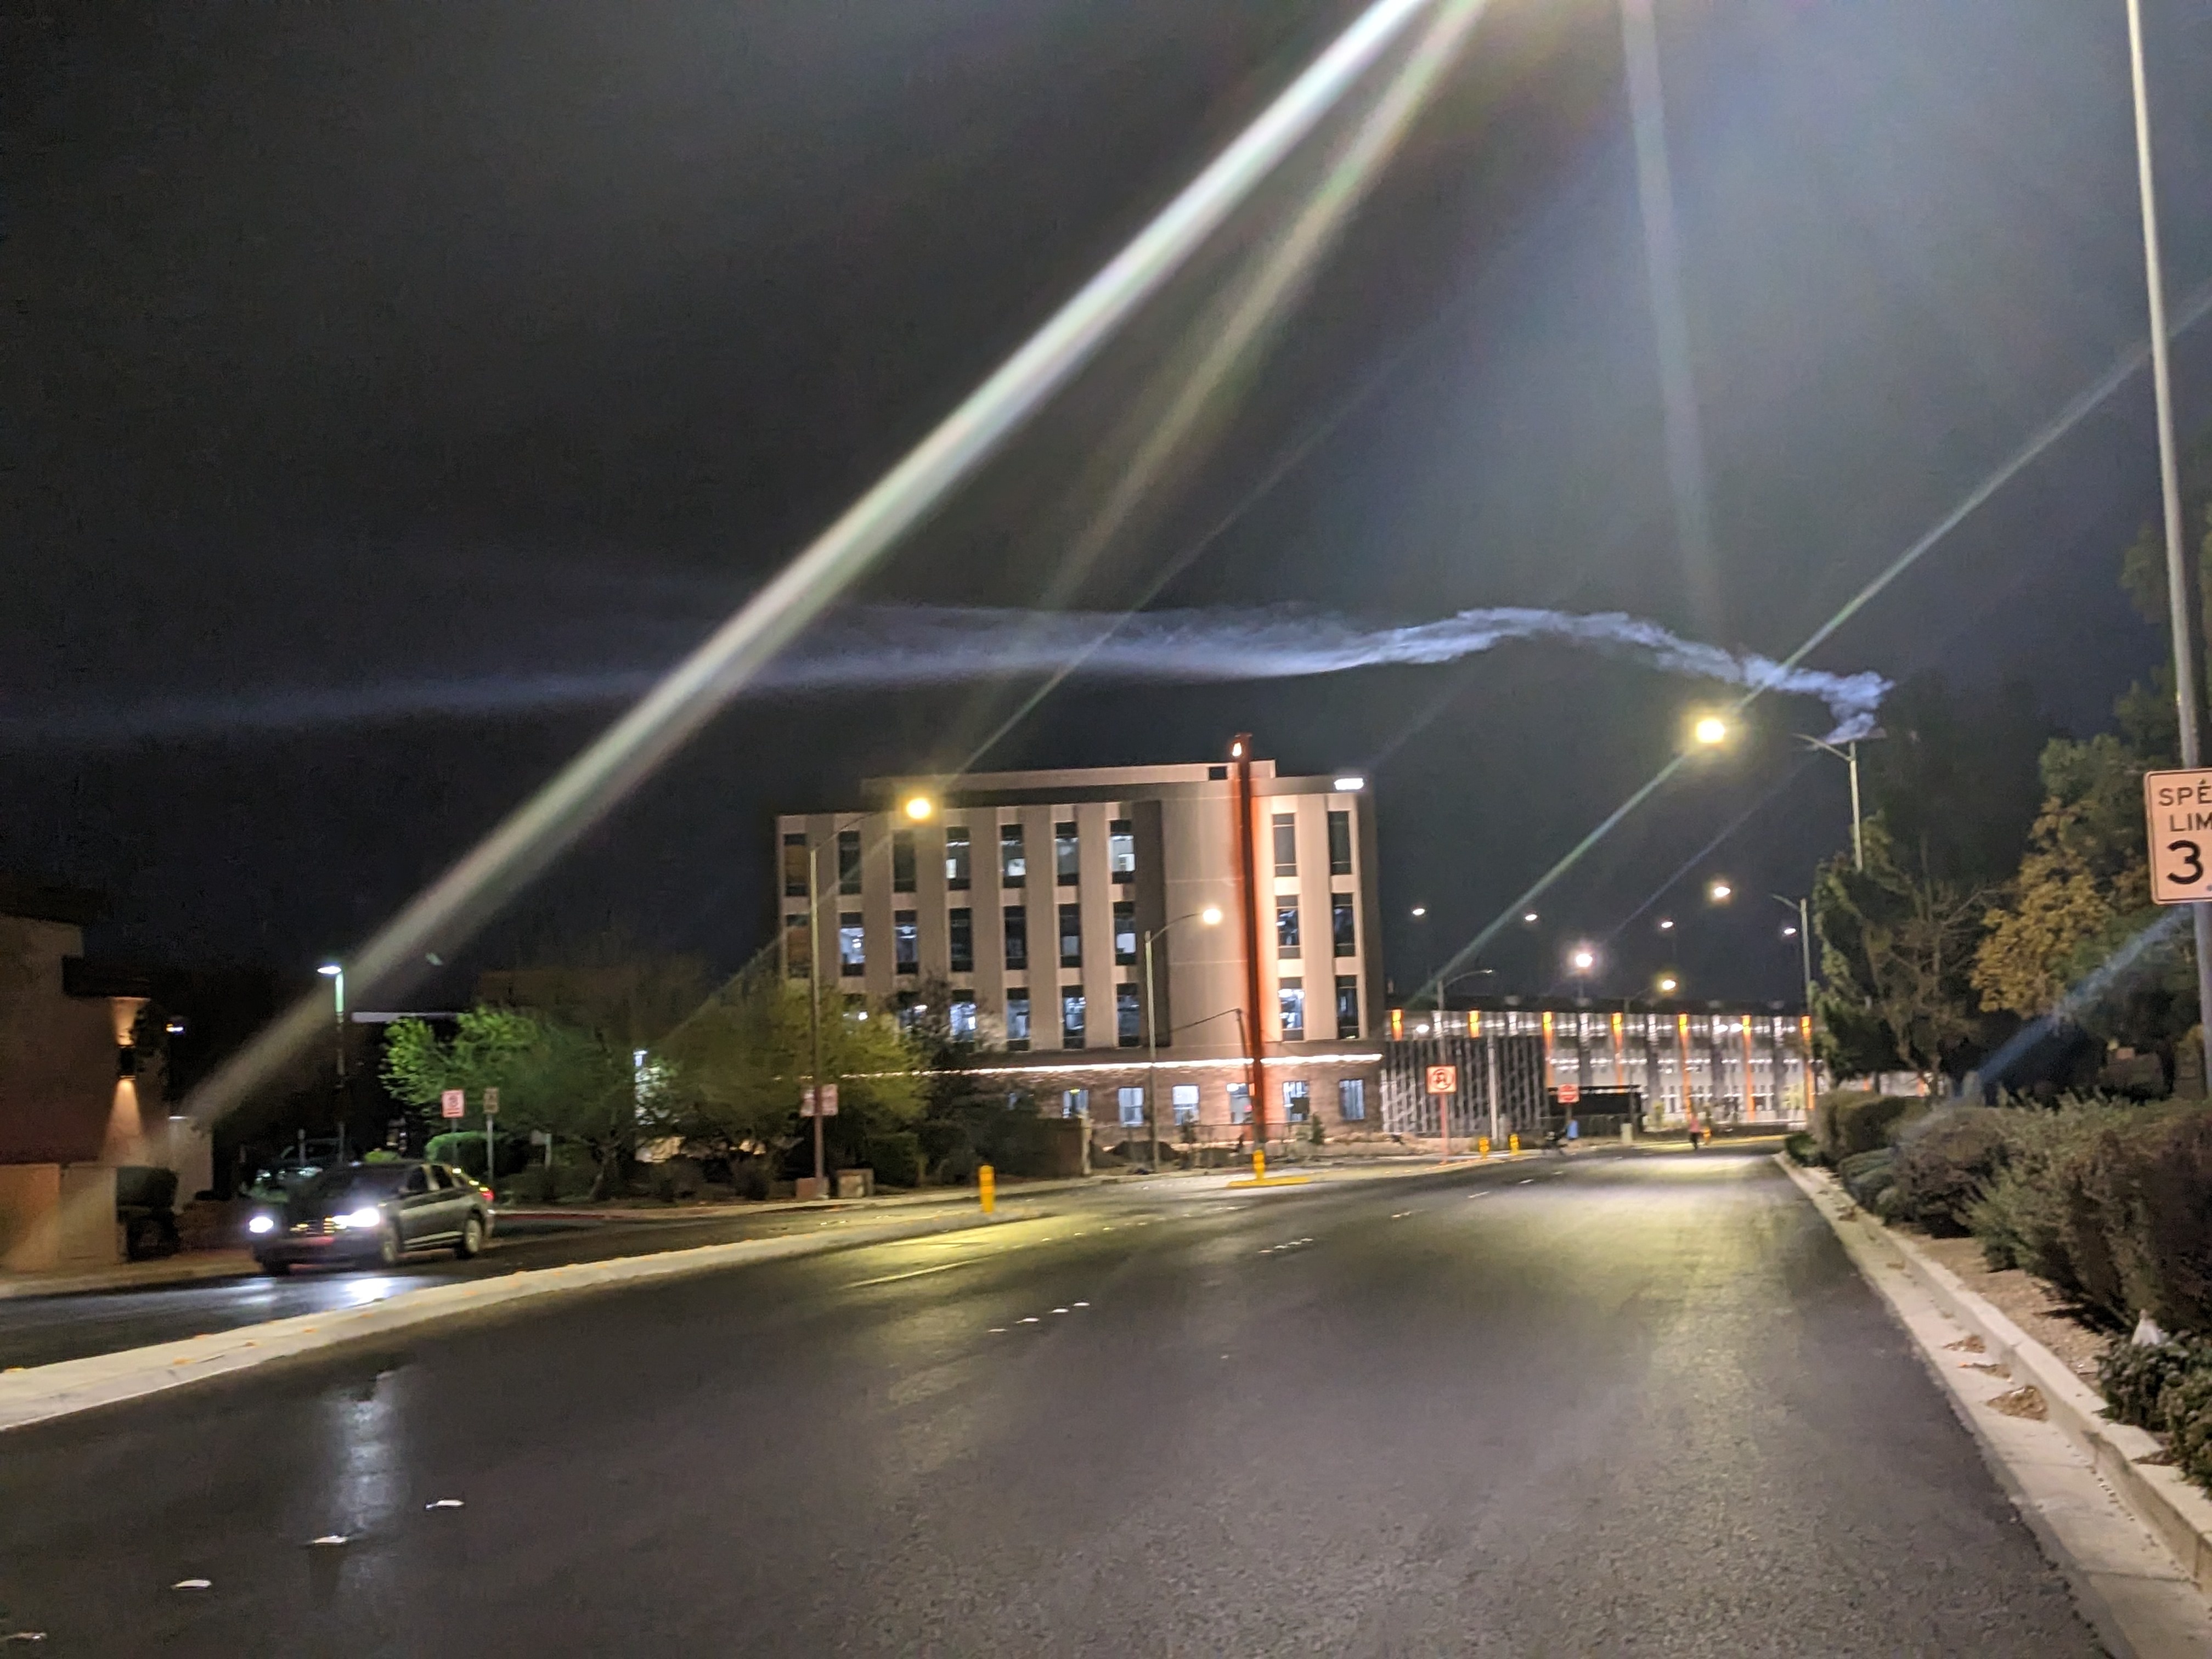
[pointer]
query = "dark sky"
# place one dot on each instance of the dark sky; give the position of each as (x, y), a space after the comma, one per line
(354, 351)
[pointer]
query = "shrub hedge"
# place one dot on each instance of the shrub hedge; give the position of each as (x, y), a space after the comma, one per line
(2168, 1390)
(1848, 1123)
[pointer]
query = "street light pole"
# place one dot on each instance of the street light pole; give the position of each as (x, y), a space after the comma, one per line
(1805, 953)
(335, 972)
(814, 992)
(1849, 754)
(2184, 608)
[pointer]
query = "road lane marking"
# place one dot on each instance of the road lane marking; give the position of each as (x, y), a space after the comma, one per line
(892, 1278)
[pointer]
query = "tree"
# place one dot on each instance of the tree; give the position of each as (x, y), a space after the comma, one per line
(737, 1064)
(562, 1078)
(1897, 947)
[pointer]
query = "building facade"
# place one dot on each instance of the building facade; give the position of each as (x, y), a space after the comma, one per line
(1707, 1063)
(1031, 898)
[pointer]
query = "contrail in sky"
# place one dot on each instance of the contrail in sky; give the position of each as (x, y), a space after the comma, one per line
(887, 647)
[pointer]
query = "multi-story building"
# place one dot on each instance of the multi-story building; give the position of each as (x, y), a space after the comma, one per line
(1037, 896)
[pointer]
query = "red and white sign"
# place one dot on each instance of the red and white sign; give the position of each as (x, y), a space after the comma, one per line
(828, 1094)
(1443, 1079)
(2178, 809)
(1571, 1094)
(452, 1104)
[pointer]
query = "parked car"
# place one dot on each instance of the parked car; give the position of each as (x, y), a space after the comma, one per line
(359, 1212)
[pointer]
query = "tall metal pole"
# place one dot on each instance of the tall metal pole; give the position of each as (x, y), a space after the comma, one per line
(1246, 830)
(2183, 605)
(814, 992)
(1858, 823)
(1151, 1055)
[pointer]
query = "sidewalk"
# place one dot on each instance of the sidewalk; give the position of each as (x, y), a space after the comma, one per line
(129, 1275)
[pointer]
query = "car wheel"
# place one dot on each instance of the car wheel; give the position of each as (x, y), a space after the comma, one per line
(274, 1269)
(472, 1239)
(387, 1245)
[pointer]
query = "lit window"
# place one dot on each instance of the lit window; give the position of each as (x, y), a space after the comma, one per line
(1071, 936)
(1352, 1099)
(1339, 844)
(848, 860)
(1121, 850)
(1240, 1103)
(1298, 1100)
(1066, 855)
(906, 942)
(902, 861)
(1017, 937)
(1128, 1017)
(1131, 1102)
(1125, 933)
(1341, 926)
(1075, 1103)
(851, 943)
(1186, 1103)
(1013, 863)
(1290, 997)
(1286, 930)
(1347, 1007)
(962, 1019)
(796, 883)
(956, 857)
(1070, 1019)
(1017, 1020)
(1287, 844)
(960, 939)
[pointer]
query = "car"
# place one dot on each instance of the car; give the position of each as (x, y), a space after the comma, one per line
(354, 1213)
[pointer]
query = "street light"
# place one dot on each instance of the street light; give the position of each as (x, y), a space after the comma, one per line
(335, 972)
(1583, 959)
(1803, 931)
(1420, 910)
(1669, 985)
(1208, 917)
(919, 808)
(1666, 924)
(1528, 917)
(1718, 892)
(1849, 754)
(1711, 730)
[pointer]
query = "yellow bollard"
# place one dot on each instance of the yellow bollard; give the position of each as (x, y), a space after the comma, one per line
(1513, 1143)
(1259, 1164)
(987, 1187)
(1482, 1146)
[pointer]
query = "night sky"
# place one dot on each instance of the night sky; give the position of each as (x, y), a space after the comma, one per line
(377, 364)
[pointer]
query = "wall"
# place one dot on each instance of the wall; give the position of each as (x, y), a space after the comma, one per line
(57, 1052)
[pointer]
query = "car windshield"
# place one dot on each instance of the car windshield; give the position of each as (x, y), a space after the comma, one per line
(355, 1183)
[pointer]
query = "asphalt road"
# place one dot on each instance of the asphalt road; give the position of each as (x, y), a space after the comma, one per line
(41, 1330)
(1634, 1406)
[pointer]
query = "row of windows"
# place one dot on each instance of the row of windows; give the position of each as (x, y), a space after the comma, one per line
(959, 853)
(1286, 843)
(1183, 1101)
(1128, 1014)
(1013, 855)
(960, 936)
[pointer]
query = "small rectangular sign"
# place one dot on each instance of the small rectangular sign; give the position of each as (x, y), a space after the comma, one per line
(2178, 813)
(1570, 1093)
(491, 1102)
(452, 1104)
(1443, 1079)
(828, 1094)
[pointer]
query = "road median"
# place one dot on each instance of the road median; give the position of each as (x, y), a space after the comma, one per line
(39, 1394)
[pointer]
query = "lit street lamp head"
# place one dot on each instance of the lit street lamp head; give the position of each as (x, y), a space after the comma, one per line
(918, 807)
(1211, 915)
(330, 970)
(1527, 916)
(1666, 925)
(1583, 959)
(1669, 985)
(1420, 909)
(1720, 892)
(1711, 730)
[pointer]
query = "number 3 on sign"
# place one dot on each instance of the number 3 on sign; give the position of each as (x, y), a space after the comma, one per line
(2178, 813)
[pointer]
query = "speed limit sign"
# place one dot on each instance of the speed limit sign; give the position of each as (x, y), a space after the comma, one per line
(2178, 808)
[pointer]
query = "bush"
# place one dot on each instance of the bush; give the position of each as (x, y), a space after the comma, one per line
(1867, 1176)
(2168, 1390)
(1944, 1163)
(895, 1156)
(1802, 1148)
(1847, 1124)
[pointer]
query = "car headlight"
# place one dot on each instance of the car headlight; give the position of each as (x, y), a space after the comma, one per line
(360, 1220)
(262, 1223)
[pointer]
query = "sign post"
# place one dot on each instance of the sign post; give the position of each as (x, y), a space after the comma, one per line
(491, 1144)
(1443, 1084)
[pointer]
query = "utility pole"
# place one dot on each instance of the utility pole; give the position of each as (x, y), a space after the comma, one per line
(2183, 607)
(814, 994)
(1151, 1054)
(1245, 829)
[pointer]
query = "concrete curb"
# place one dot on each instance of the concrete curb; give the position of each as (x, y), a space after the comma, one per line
(45, 1391)
(2156, 1497)
(188, 1268)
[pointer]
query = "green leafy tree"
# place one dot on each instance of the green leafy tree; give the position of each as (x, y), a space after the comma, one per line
(1897, 949)
(553, 1076)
